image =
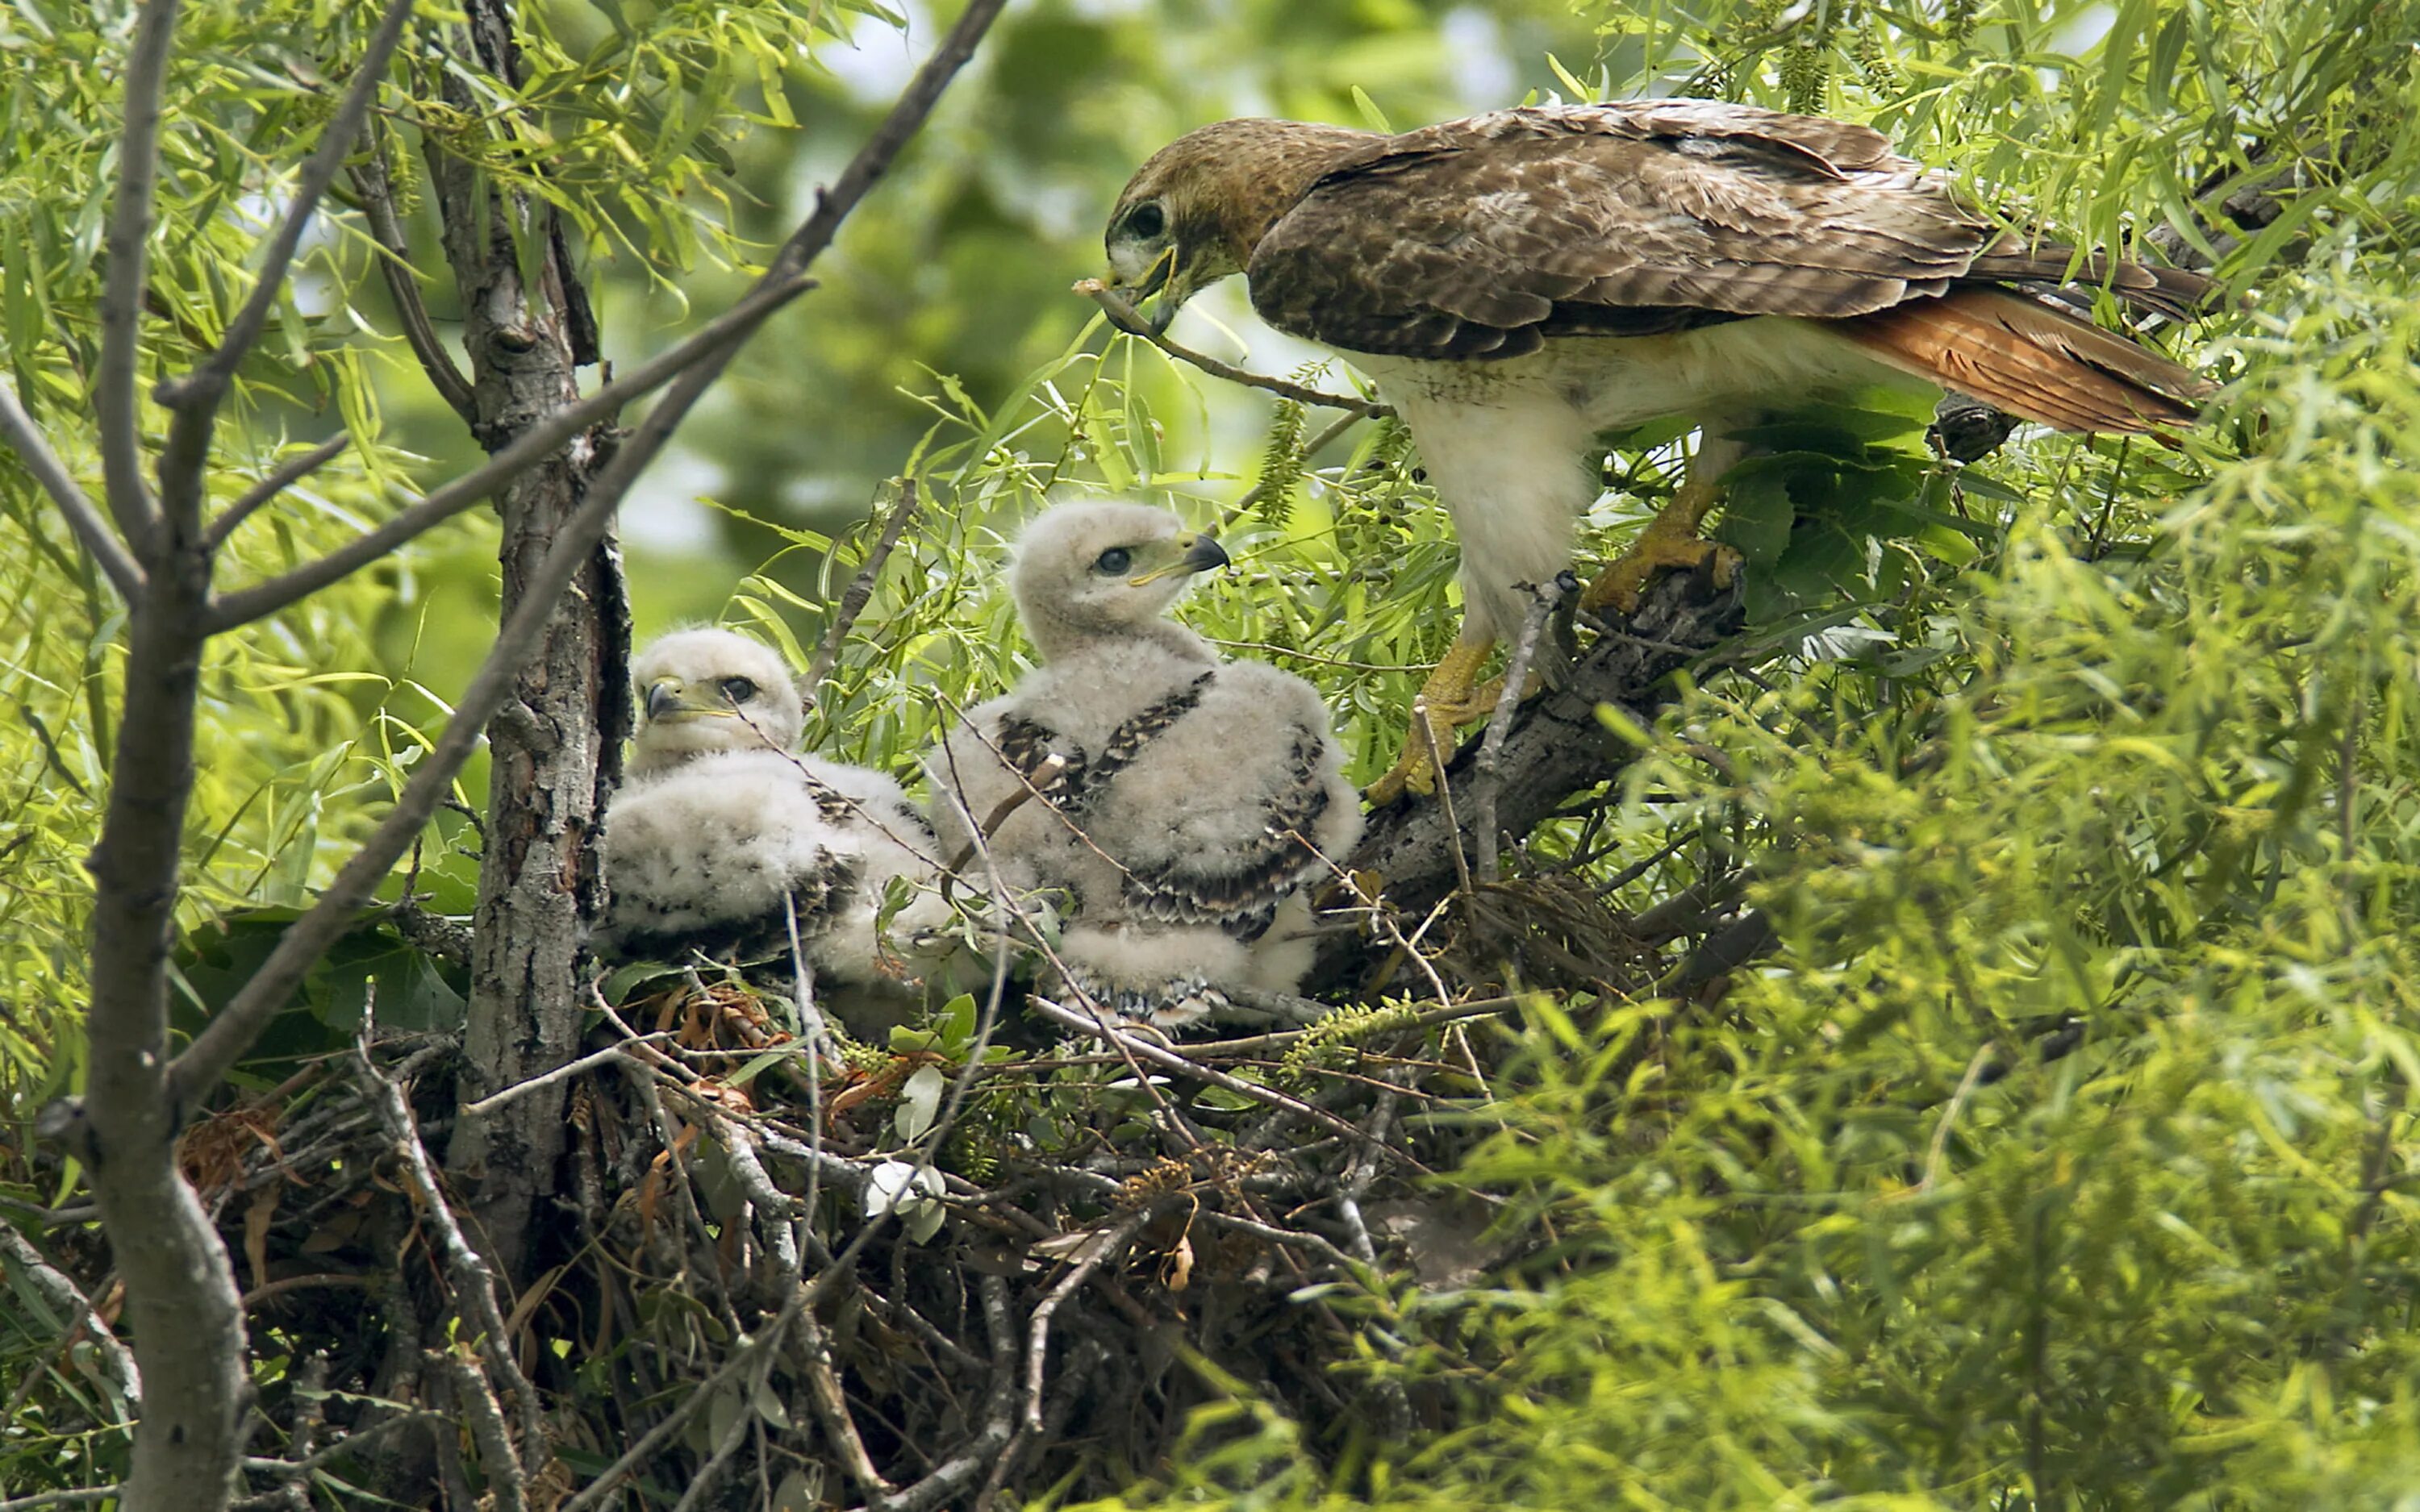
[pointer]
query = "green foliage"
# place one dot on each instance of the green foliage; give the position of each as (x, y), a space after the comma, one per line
(2061, 1156)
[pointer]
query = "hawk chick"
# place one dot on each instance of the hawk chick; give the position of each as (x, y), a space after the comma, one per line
(1193, 799)
(722, 831)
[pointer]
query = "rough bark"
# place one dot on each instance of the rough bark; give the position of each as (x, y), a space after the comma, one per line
(1556, 747)
(554, 750)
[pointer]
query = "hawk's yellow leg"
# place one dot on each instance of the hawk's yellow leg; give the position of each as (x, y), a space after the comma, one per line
(1452, 696)
(1670, 540)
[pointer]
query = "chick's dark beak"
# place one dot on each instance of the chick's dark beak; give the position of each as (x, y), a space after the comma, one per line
(664, 697)
(1205, 555)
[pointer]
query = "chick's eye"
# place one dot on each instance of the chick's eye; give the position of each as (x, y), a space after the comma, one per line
(1147, 221)
(739, 690)
(1116, 559)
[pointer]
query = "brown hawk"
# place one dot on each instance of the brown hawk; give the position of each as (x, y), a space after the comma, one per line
(1518, 282)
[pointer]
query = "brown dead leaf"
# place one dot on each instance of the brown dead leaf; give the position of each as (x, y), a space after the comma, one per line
(257, 1216)
(211, 1151)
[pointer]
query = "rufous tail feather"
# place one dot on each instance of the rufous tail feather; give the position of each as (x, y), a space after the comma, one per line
(2030, 360)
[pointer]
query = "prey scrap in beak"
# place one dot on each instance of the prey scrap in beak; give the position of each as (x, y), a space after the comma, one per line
(667, 702)
(1200, 554)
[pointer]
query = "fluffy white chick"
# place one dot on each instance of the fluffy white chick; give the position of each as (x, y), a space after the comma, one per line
(1196, 802)
(722, 832)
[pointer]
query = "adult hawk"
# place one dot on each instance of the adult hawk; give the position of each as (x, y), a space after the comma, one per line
(1519, 281)
(1194, 804)
(723, 834)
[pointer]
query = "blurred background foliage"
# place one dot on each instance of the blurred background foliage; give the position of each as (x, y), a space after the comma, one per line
(2060, 1157)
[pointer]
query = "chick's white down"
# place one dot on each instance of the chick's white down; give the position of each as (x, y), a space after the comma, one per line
(723, 833)
(1197, 801)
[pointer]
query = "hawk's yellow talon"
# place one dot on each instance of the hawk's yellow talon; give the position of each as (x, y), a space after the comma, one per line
(1670, 540)
(1452, 696)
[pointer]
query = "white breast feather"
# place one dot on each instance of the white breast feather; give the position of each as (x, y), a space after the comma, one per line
(1507, 444)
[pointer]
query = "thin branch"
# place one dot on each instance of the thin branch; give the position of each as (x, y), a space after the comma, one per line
(1043, 775)
(570, 1069)
(115, 405)
(834, 205)
(1109, 1247)
(1940, 1146)
(374, 182)
(1487, 774)
(1425, 728)
(1449, 1013)
(84, 519)
(755, 1350)
(1123, 315)
(1251, 496)
(1170, 1060)
(293, 470)
(65, 1296)
(987, 1448)
(529, 449)
(236, 1025)
(350, 1444)
(195, 396)
(1364, 1168)
(474, 1285)
(861, 588)
(272, 1290)
(484, 1417)
(79, 1497)
(829, 1405)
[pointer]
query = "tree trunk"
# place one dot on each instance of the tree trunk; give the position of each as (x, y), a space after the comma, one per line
(554, 752)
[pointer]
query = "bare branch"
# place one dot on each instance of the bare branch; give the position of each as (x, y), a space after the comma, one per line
(292, 471)
(1170, 1060)
(1487, 773)
(474, 1288)
(82, 517)
(527, 450)
(114, 403)
(1108, 1248)
(1123, 315)
(66, 1297)
(915, 102)
(758, 1348)
(861, 588)
(373, 181)
(241, 1020)
(77, 1498)
(611, 1052)
(350, 1444)
(196, 395)
(829, 1404)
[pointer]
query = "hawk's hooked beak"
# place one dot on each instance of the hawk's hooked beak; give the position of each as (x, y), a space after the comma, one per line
(1160, 279)
(1199, 553)
(667, 702)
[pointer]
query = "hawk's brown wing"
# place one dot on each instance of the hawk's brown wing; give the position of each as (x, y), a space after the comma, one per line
(1482, 237)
